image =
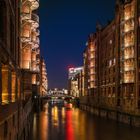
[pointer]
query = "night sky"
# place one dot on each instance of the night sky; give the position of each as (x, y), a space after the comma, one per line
(65, 26)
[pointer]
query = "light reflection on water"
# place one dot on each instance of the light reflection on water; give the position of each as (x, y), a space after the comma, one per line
(58, 123)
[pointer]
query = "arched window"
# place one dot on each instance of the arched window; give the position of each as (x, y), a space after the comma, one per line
(2, 20)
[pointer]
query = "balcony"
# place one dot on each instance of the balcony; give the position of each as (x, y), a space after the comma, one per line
(35, 4)
(129, 26)
(35, 43)
(35, 46)
(35, 20)
(37, 32)
(36, 70)
(38, 60)
(128, 69)
(126, 58)
(25, 16)
(26, 10)
(25, 39)
(128, 43)
(37, 51)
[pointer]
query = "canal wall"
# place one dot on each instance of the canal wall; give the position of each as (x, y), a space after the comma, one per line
(18, 125)
(107, 113)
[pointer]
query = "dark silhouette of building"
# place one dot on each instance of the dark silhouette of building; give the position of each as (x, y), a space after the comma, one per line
(19, 67)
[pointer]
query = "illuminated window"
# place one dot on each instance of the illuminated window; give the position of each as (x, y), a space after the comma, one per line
(92, 48)
(92, 85)
(26, 9)
(34, 79)
(92, 71)
(26, 58)
(92, 77)
(26, 30)
(92, 63)
(110, 42)
(129, 65)
(18, 94)
(129, 53)
(128, 77)
(129, 39)
(110, 63)
(92, 55)
(13, 97)
(129, 25)
(129, 11)
(5, 96)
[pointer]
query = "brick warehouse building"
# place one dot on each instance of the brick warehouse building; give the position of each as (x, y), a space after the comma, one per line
(117, 89)
(19, 67)
(9, 69)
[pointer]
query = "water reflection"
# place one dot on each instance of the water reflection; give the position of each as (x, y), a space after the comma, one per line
(73, 124)
(69, 125)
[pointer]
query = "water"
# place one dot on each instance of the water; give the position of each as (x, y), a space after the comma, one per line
(59, 123)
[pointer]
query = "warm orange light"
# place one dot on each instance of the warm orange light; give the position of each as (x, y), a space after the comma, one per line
(34, 79)
(13, 96)
(5, 98)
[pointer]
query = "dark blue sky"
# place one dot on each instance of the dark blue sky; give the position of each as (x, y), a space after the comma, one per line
(65, 26)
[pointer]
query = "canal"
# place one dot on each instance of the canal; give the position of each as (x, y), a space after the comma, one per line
(59, 123)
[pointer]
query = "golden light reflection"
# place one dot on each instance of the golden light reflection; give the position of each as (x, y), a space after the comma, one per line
(44, 127)
(55, 116)
(63, 112)
(69, 126)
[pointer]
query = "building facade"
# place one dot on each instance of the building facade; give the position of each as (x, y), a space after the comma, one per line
(44, 78)
(19, 67)
(108, 67)
(10, 95)
(75, 81)
(30, 52)
(115, 93)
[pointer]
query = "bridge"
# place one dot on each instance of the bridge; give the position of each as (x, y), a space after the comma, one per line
(58, 96)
